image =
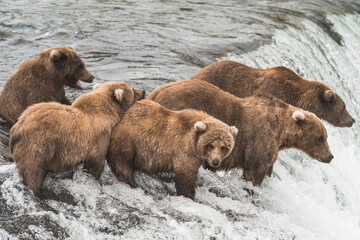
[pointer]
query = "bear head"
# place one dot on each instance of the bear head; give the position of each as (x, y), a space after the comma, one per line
(215, 140)
(311, 136)
(327, 105)
(125, 94)
(66, 66)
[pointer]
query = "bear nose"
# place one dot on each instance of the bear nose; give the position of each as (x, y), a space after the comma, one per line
(143, 94)
(353, 120)
(215, 162)
(92, 77)
(330, 158)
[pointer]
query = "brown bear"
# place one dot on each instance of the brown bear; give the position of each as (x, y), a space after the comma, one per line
(266, 125)
(154, 139)
(51, 137)
(42, 80)
(281, 82)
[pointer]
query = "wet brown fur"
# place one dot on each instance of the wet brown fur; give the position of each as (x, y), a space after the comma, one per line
(281, 82)
(154, 139)
(265, 125)
(42, 80)
(51, 137)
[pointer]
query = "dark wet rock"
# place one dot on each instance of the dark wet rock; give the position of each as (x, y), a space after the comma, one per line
(25, 227)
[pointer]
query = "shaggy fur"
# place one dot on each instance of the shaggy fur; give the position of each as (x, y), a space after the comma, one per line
(281, 82)
(154, 139)
(42, 80)
(266, 125)
(50, 137)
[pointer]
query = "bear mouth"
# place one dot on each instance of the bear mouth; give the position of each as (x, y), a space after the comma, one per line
(209, 166)
(322, 160)
(76, 85)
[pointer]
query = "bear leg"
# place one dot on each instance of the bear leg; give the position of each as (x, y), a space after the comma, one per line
(65, 101)
(95, 167)
(34, 177)
(257, 174)
(259, 160)
(185, 183)
(123, 169)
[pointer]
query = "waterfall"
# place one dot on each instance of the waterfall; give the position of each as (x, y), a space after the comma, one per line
(323, 199)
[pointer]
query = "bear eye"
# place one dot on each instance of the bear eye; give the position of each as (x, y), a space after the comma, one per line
(321, 139)
(224, 149)
(210, 146)
(81, 67)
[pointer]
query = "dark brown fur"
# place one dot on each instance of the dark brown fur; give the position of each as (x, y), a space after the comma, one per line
(50, 137)
(281, 82)
(265, 125)
(154, 139)
(42, 80)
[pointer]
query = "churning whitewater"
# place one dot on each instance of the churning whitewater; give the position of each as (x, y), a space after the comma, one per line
(304, 199)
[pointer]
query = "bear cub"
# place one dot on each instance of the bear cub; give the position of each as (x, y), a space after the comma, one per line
(43, 80)
(154, 139)
(51, 137)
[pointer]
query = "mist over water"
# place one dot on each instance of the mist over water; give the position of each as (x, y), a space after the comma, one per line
(151, 43)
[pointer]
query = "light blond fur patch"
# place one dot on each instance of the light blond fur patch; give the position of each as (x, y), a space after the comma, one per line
(55, 54)
(298, 116)
(96, 86)
(329, 95)
(234, 130)
(200, 126)
(70, 46)
(119, 94)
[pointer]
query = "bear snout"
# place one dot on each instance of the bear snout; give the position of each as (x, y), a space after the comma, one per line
(92, 77)
(346, 120)
(348, 124)
(351, 122)
(89, 80)
(326, 159)
(216, 162)
(143, 94)
(331, 157)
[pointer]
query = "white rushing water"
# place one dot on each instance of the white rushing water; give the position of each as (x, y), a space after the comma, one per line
(304, 199)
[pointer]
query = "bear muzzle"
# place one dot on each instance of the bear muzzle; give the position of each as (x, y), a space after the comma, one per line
(325, 159)
(89, 80)
(216, 162)
(348, 123)
(345, 120)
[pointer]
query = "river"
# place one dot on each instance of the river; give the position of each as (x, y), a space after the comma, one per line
(153, 42)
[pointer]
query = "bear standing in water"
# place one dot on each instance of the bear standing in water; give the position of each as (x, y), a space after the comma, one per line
(281, 82)
(266, 125)
(154, 139)
(42, 80)
(51, 137)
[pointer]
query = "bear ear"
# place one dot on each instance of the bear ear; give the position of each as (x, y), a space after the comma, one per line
(298, 116)
(56, 55)
(96, 86)
(69, 46)
(234, 130)
(119, 93)
(200, 126)
(329, 95)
